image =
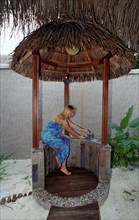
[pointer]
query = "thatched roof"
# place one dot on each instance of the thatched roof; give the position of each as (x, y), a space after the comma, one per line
(120, 17)
(94, 42)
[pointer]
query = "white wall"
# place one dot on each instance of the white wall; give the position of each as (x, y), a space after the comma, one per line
(16, 104)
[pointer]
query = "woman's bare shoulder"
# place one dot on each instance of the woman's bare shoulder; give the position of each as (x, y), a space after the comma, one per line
(65, 123)
(58, 118)
(54, 117)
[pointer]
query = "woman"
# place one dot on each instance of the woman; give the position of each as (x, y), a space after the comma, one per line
(53, 136)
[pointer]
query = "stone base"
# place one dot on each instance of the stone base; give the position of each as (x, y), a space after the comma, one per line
(38, 169)
(46, 199)
(91, 155)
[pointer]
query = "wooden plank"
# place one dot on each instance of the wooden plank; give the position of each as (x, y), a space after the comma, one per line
(80, 182)
(86, 212)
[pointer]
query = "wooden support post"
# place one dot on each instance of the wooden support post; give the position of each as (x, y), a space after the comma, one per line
(66, 86)
(66, 98)
(66, 94)
(105, 101)
(35, 101)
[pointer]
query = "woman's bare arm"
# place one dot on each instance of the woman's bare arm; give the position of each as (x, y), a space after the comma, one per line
(69, 129)
(74, 126)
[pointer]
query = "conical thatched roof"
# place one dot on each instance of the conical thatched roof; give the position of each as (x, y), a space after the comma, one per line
(120, 17)
(94, 43)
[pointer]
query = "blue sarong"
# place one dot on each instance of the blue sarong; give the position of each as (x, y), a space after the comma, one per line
(52, 135)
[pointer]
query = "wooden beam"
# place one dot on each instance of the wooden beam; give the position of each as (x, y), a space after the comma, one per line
(35, 101)
(88, 57)
(69, 65)
(24, 58)
(75, 64)
(49, 56)
(107, 56)
(106, 67)
(70, 73)
(49, 62)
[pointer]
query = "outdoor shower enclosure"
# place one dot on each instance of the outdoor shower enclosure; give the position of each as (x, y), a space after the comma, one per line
(45, 55)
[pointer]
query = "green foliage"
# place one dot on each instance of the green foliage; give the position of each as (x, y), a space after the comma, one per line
(125, 143)
(137, 62)
(27, 179)
(130, 195)
(3, 157)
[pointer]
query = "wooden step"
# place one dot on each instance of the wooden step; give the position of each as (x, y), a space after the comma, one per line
(86, 212)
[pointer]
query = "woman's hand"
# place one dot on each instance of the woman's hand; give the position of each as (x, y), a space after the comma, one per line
(81, 137)
(87, 131)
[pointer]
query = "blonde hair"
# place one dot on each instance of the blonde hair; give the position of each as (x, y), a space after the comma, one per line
(64, 115)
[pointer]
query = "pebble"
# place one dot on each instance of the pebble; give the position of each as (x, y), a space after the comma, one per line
(3, 201)
(47, 199)
(30, 193)
(19, 195)
(13, 198)
(9, 199)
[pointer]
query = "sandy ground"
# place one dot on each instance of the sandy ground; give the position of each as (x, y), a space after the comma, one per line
(121, 204)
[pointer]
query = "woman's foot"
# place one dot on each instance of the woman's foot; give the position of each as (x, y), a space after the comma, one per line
(65, 171)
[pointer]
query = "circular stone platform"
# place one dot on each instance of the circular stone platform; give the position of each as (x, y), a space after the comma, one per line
(99, 194)
(89, 155)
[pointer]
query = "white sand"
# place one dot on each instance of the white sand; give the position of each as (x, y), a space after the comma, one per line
(118, 206)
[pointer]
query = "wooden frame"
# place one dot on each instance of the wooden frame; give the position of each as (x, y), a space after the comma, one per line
(105, 101)
(35, 100)
(35, 92)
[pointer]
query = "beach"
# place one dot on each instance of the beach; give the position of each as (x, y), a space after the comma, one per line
(122, 202)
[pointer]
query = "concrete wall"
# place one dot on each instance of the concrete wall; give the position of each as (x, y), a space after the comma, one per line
(15, 117)
(16, 106)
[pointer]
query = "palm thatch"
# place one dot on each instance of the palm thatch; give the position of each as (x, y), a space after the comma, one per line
(120, 17)
(94, 42)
